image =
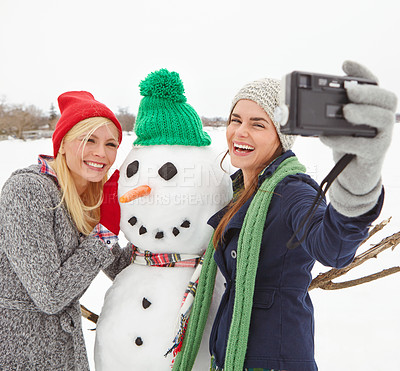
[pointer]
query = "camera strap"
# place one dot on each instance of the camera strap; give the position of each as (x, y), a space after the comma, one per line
(323, 188)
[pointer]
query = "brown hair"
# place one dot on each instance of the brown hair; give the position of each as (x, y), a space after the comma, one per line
(236, 203)
(233, 207)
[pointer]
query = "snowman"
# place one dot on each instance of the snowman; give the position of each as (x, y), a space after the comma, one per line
(170, 184)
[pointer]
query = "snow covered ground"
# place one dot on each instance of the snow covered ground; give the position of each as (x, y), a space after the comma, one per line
(358, 328)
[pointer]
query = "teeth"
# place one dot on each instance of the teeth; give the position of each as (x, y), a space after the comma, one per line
(94, 164)
(243, 146)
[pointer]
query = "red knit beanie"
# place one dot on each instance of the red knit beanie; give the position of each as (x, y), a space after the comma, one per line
(76, 106)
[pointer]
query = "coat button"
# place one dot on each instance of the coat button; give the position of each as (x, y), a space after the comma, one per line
(233, 254)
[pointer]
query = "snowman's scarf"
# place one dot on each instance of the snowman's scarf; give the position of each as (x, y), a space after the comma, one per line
(248, 251)
(163, 260)
(186, 307)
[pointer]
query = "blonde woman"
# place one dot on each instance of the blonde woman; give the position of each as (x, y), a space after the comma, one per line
(49, 252)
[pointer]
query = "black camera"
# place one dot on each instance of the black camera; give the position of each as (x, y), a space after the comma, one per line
(312, 105)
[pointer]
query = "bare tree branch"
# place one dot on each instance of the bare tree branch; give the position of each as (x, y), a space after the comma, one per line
(343, 285)
(86, 313)
(376, 229)
(324, 280)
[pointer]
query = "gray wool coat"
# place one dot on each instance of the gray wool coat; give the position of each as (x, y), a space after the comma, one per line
(45, 267)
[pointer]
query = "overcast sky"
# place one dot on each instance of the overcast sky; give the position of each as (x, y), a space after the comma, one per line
(107, 47)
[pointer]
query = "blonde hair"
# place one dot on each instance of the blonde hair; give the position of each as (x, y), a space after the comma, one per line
(84, 209)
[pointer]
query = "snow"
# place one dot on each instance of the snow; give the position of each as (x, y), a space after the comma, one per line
(355, 329)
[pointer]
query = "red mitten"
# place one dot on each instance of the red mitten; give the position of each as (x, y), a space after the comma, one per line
(110, 211)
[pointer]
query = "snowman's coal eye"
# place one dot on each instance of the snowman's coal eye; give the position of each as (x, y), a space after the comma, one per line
(132, 169)
(167, 171)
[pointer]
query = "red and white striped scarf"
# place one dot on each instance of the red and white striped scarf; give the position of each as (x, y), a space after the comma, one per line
(164, 260)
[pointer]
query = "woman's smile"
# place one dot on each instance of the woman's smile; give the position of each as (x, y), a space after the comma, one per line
(95, 165)
(242, 149)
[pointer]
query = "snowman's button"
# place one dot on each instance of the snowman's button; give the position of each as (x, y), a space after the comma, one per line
(159, 235)
(142, 230)
(138, 341)
(175, 231)
(233, 254)
(145, 303)
(185, 224)
(132, 221)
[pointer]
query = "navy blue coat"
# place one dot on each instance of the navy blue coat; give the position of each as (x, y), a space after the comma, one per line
(282, 322)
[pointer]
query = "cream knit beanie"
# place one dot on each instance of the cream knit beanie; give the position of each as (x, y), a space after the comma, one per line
(265, 93)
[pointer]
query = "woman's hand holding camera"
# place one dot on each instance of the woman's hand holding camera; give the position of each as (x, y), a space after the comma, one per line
(357, 188)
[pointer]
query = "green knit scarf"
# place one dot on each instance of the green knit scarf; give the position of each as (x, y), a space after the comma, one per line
(248, 252)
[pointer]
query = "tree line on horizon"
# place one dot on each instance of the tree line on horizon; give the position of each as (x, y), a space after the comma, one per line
(16, 120)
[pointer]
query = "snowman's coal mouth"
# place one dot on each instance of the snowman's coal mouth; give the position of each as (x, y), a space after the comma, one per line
(160, 234)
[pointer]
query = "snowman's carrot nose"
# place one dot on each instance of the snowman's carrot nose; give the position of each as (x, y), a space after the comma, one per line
(135, 193)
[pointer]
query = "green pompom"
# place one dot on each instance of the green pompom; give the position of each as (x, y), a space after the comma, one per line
(163, 84)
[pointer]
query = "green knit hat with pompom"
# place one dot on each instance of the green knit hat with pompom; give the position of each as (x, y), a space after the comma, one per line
(164, 117)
